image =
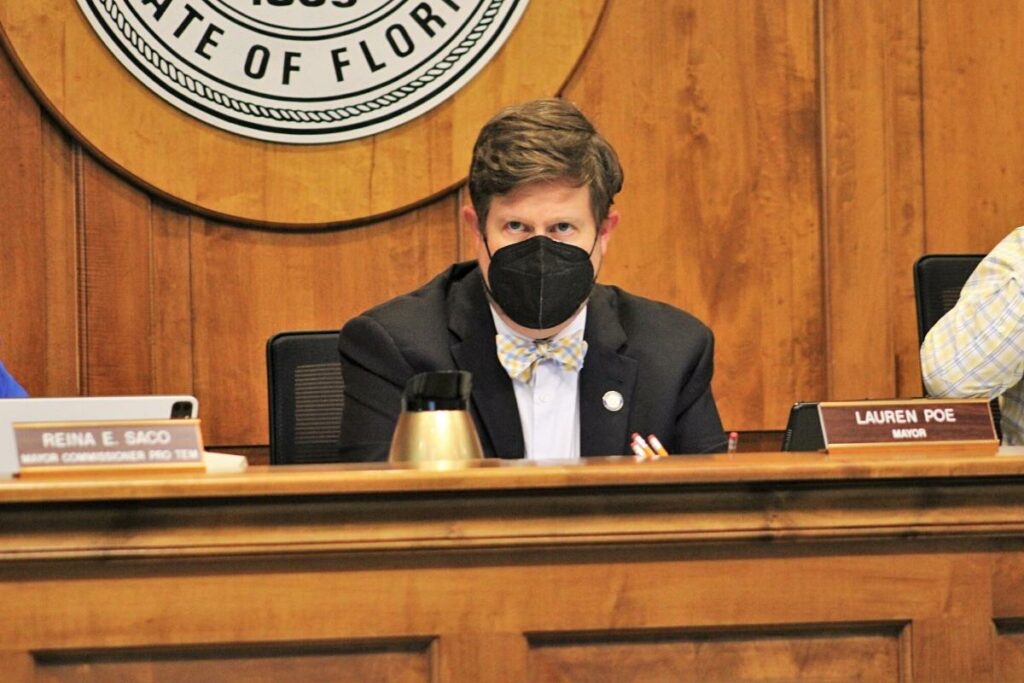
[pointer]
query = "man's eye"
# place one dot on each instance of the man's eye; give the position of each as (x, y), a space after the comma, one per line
(515, 226)
(563, 228)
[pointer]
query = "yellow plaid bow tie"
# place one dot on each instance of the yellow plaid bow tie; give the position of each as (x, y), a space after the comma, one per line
(519, 356)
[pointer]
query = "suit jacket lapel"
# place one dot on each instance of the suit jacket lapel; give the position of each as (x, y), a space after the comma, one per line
(473, 348)
(604, 431)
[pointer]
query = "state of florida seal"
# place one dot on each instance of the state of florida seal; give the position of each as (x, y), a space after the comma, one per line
(304, 71)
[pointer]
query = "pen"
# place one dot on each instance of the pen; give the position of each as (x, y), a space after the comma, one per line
(656, 445)
(639, 441)
(638, 450)
(734, 440)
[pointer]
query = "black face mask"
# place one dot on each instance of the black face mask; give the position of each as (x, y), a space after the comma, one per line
(540, 282)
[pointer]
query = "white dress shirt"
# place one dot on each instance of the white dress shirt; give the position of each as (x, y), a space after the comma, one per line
(549, 404)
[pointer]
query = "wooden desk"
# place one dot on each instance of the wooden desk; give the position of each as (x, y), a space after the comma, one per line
(749, 567)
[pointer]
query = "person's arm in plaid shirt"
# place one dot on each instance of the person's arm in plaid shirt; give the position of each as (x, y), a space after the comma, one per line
(977, 349)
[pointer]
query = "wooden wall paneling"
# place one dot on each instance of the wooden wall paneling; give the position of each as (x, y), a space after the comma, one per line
(974, 131)
(958, 644)
(117, 273)
(171, 301)
(482, 658)
(955, 649)
(809, 654)
(713, 108)
(18, 666)
(1009, 653)
(873, 227)
(1008, 589)
(904, 152)
(1008, 608)
(39, 322)
(668, 614)
(248, 285)
(368, 663)
(22, 252)
(196, 617)
(792, 569)
(61, 227)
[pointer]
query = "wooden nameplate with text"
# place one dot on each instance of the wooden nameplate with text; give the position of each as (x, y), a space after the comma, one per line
(915, 425)
(128, 447)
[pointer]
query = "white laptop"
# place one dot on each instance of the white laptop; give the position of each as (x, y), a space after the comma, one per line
(83, 409)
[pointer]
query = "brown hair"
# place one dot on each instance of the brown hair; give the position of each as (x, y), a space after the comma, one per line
(548, 139)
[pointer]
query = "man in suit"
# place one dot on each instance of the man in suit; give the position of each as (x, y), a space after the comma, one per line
(562, 367)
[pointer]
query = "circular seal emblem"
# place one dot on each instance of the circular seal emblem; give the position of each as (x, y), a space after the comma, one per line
(304, 71)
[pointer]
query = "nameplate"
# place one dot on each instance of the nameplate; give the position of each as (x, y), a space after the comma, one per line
(109, 447)
(964, 426)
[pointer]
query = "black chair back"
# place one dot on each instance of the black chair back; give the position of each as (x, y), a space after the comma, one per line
(938, 279)
(307, 397)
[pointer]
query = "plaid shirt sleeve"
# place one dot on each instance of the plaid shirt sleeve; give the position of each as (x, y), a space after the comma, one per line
(977, 349)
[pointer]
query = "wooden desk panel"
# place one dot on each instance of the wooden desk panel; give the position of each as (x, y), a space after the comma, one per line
(768, 566)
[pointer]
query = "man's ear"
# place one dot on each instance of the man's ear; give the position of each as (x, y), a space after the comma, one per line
(471, 223)
(605, 230)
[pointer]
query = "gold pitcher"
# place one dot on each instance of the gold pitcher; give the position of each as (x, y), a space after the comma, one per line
(435, 428)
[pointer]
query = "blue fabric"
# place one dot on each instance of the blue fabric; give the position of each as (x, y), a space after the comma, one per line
(9, 388)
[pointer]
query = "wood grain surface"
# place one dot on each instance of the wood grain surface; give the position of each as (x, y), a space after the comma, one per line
(903, 570)
(721, 199)
(973, 163)
(873, 223)
(739, 469)
(239, 178)
(316, 281)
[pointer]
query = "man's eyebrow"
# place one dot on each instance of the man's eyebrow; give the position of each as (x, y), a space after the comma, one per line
(512, 218)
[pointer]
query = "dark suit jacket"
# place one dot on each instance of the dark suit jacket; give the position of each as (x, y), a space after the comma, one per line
(656, 356)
